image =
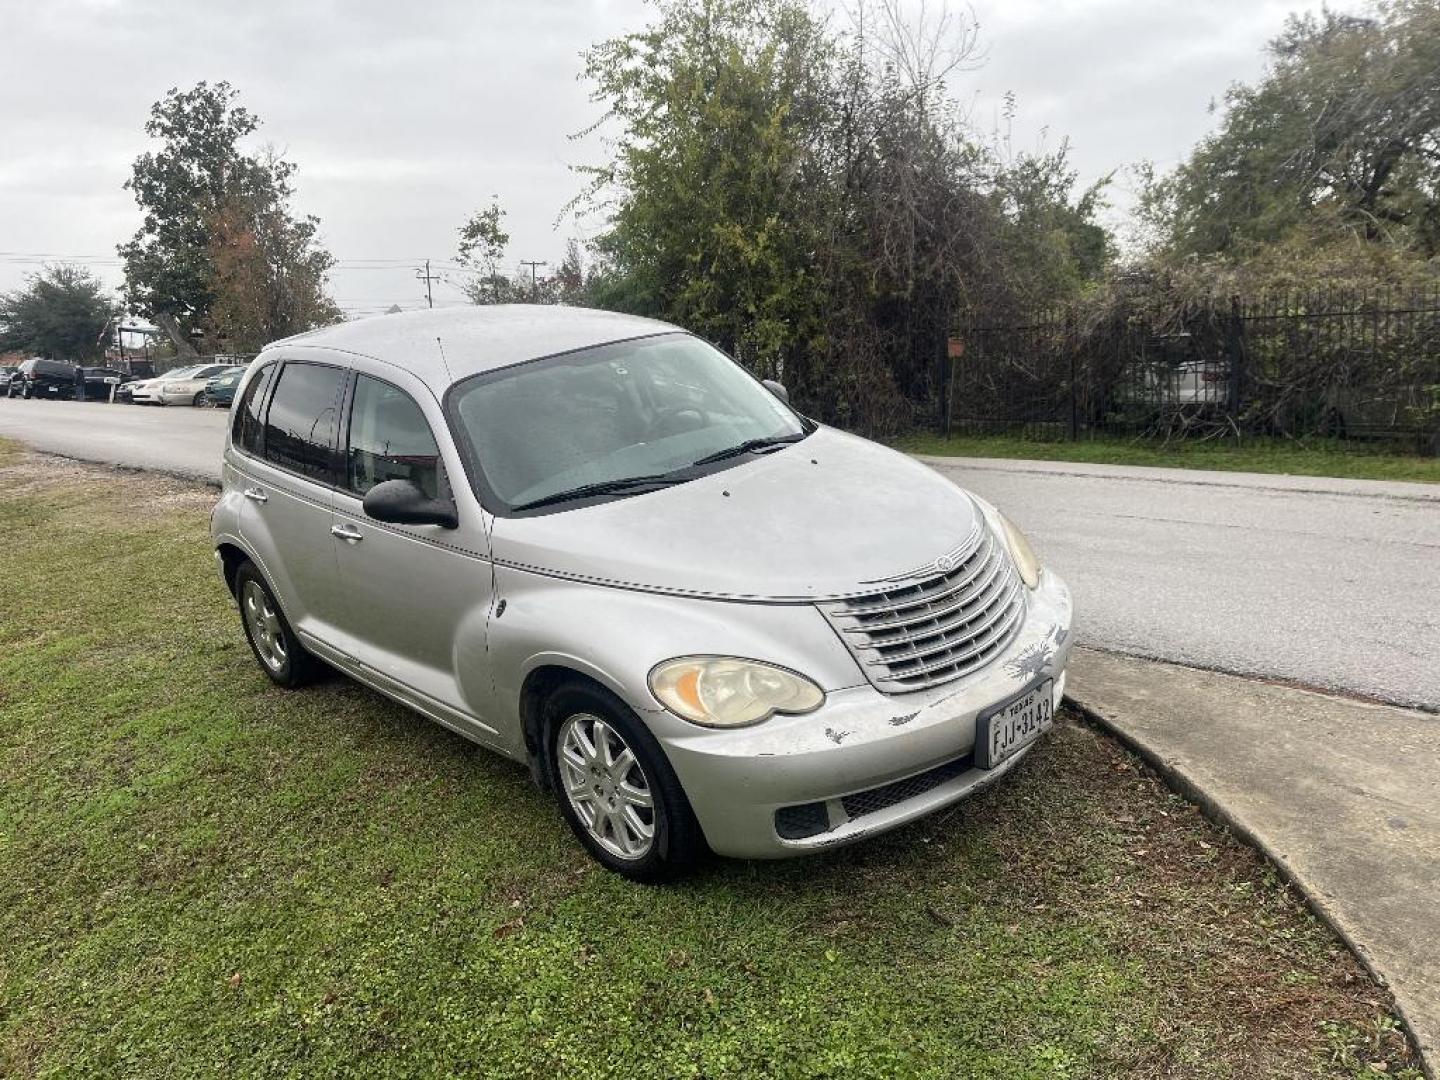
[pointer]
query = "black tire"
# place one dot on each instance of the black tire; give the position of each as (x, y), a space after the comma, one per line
(290, 665)
(199, 401)
(678, 843)
(26, 392)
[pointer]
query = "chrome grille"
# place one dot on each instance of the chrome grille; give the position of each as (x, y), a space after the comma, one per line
(938, 629)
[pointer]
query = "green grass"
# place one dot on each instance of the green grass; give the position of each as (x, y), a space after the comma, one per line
(203, 875)
(1322, 458)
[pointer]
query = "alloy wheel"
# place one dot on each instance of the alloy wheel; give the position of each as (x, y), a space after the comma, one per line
(264, 623)
(607, 788)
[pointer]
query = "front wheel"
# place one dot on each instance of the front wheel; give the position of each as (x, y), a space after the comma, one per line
(616, 789)
(271, 639)
(199, 400)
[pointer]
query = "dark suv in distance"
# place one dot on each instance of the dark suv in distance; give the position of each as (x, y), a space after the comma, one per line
(38, 377)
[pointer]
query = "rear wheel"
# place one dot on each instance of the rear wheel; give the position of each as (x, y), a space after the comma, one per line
(271, 639)
(616, 788)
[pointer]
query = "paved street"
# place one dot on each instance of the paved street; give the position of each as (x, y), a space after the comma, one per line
(1329, 583)
(172, 439)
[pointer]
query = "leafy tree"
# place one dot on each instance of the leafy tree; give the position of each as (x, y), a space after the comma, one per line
(269, 273)
(1053, 248)
(812, 199)
(1340, 138)
(483, 241)
(205, 199)
(707, 190)
(569, 284)
(61, 313)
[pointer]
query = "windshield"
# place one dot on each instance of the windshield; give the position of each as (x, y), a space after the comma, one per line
(652, 408)
(179, 373)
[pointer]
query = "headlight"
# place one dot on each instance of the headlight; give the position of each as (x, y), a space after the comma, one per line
(1021, 552)
(720, 691)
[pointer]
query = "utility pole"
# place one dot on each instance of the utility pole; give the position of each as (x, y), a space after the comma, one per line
(427, 277)
(534, 282)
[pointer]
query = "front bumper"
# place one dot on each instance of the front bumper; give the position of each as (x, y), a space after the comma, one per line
(915, 746)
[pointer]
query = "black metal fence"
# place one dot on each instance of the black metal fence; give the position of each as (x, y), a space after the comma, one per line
(1322, 364)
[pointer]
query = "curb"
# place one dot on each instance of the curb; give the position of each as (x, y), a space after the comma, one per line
(1182, 782)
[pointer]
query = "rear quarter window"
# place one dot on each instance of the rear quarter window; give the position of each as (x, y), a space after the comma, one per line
(248, 428)
(300, 421)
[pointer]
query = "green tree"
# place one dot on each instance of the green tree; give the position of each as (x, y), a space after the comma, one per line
(60, 313)
(813, 200)
(1341, 137)
(707, 191)
(202, 196)
(483, 242)
(1053, 247)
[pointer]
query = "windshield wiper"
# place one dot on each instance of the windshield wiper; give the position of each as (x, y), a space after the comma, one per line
(749, 446)
(603, 487)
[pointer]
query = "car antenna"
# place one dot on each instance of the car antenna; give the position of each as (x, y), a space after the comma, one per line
(443, 362)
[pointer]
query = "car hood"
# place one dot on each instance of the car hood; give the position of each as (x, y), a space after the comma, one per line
(833, 515)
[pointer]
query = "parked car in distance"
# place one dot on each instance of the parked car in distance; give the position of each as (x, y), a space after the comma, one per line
(6, 373)
(136, 392)
(597, 545)
(179, 387)
(220, 391)
(100, 381)
(190, 390)
(41, 378)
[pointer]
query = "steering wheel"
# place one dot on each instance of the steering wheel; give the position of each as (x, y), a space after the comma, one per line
(664, 421)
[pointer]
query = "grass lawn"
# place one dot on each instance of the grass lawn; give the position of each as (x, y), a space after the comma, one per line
(1321, 458)
(201, 874)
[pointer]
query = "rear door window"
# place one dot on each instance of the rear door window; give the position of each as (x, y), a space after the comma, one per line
(300, 423)
(389, 440)
(248, 426)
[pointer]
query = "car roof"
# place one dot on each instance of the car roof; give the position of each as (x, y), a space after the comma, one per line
(474, 338)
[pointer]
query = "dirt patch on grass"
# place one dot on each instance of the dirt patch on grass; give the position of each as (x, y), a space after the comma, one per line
(27, 472)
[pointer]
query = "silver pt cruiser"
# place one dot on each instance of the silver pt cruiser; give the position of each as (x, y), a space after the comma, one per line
(597, 545)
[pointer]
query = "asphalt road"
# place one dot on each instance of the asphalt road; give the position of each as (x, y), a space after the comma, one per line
(1322, 582)
(1328, 583)
(165, 438)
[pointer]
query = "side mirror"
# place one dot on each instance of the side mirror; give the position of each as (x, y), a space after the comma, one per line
(401, 502)
(778, 389)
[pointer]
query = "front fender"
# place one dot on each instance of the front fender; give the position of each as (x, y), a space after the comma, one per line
(616, 635)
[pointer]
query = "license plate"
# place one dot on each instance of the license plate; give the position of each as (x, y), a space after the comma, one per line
(1003, 732)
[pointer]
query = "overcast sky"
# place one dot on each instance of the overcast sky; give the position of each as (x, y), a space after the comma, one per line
(404, 117)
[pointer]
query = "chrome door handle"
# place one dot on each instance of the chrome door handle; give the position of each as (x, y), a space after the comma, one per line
(347, 532)
(254, 494)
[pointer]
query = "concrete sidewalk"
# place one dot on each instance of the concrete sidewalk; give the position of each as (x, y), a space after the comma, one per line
(1343, 795)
